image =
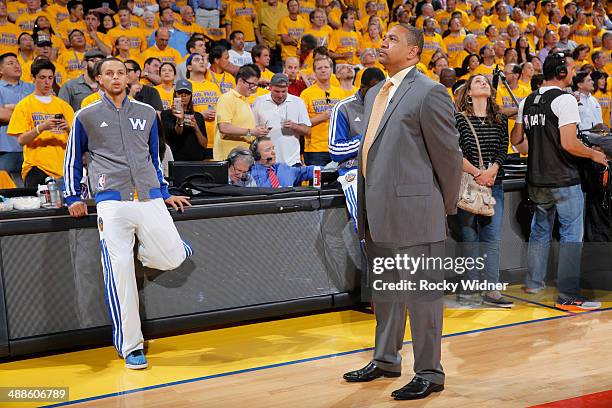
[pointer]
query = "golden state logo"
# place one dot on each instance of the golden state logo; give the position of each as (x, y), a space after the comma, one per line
(100, 224)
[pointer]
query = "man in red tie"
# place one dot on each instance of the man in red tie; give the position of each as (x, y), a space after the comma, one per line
(268, 173)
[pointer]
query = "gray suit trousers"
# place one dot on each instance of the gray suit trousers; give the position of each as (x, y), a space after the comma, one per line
(425, 309)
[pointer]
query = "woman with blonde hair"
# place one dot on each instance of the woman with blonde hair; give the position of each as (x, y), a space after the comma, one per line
(482, 128)
(373, 36)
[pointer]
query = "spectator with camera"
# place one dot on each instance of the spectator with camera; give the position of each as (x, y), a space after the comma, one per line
(185, 129)
(285, 116)
(546, 128)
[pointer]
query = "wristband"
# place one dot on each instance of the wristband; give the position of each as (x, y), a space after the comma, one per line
(37, 130)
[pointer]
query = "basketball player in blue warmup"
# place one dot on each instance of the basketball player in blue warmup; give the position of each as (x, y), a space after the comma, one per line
(346, 128)
(119, 137)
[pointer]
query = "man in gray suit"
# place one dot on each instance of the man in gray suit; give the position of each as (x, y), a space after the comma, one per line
(409, 178)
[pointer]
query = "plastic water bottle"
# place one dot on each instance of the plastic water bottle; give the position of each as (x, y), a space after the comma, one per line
(54, 193)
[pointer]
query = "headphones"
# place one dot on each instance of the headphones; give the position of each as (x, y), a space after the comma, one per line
(233, 156)
(255, 150)
(561, 67)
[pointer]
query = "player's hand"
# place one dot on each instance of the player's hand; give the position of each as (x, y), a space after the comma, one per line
(78, 209)
(178, 202)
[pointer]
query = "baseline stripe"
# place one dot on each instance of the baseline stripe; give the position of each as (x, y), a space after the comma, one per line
(305, 360)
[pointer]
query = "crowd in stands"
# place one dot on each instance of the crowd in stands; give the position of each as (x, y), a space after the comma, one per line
(207, 67)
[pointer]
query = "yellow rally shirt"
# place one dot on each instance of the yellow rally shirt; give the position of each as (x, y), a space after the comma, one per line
(233, 108)
(205, 97)
(318, 101)
(46, 151)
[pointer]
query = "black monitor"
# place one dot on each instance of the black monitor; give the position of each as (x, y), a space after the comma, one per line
(209, 171)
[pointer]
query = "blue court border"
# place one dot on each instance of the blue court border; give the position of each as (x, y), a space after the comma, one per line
(323, 357)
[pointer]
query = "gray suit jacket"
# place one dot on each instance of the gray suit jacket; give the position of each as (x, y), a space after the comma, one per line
(414, 166)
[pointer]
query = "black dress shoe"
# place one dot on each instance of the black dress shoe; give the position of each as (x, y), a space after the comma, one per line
(369, 373)
(416, 389)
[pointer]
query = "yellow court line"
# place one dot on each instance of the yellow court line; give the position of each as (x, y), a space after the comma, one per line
(99, 371)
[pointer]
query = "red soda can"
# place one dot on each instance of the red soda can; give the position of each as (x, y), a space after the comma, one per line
(316, 177)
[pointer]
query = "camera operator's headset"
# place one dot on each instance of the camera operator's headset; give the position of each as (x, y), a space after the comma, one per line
(561, 67)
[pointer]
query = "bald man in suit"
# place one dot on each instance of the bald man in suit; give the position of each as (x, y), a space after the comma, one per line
(409, 179)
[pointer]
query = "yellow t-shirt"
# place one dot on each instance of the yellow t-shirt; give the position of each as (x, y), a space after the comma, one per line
(294, 29)
(9, 33)
(344, 41)
(58, 12)
(318, 101)
(165, 96)
(137, 38)
(94, 97)
(16, 7)
(215, 34)
(306, 6)
(65, 27)
(73, 62)
(205, 97)
(323, 35)
(25, 21)
(454, 46)
(224, 81)
(430, 45)
(605, 101)
(190, 29)
(478, 29)
(584, 35)
(46, 151)
(361, 71)
(367, 42)
(504, 99)
(349, 92)
(443, 17)
(91, 43)
(269, 17)
(485, 70)
(167, 55)
(501, 25)
(232, 108)
(241, 15)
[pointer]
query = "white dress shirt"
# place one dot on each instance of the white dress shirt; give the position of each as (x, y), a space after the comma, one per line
(590, 111)
(268, 113)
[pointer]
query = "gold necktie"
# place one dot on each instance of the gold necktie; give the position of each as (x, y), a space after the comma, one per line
(380, 104)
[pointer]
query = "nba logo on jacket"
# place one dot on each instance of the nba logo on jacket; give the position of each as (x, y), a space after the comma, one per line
(138, 124)
(101, 182)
